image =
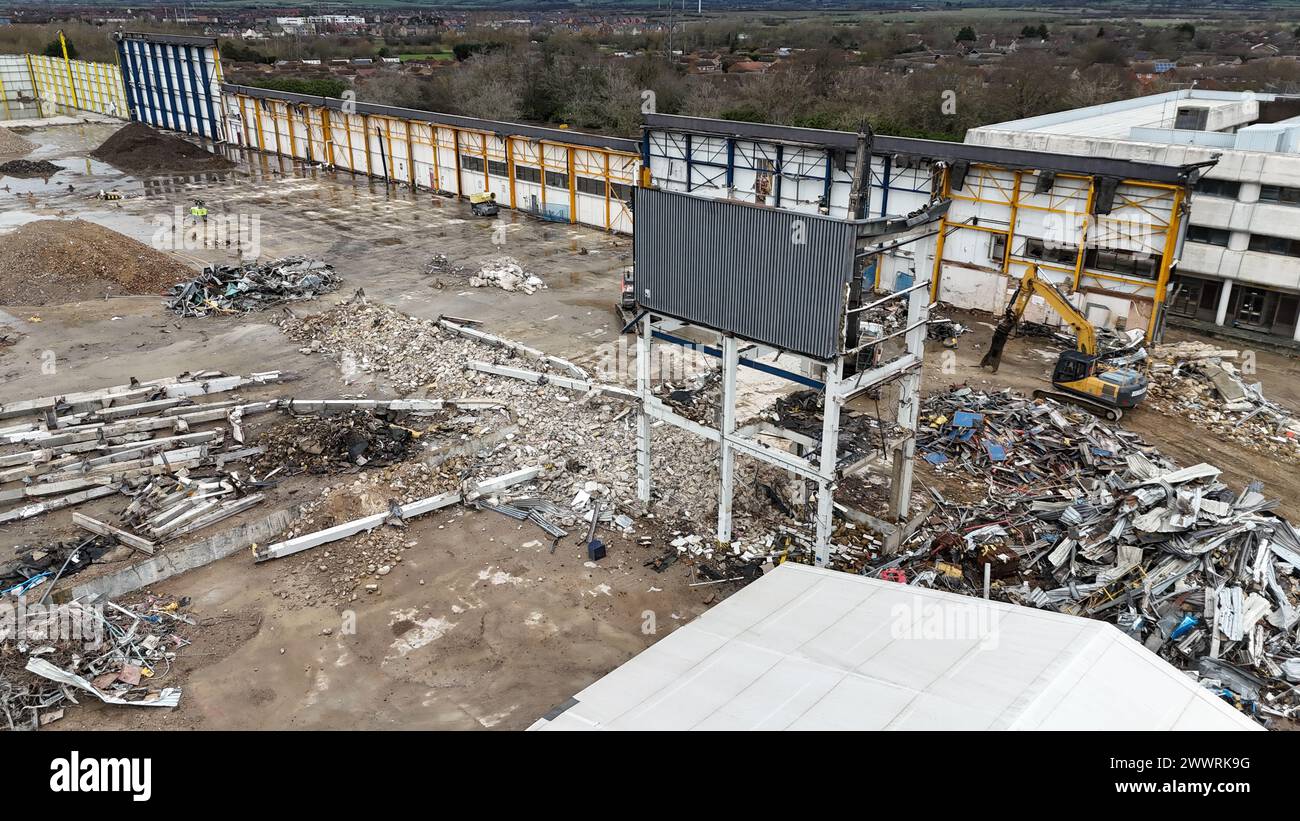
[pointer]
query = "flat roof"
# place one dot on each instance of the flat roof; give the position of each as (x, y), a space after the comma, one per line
(805, 648)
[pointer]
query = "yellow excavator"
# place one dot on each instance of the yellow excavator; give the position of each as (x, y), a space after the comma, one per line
(1079, 377)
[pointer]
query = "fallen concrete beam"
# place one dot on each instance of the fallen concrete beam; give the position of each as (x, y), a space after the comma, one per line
(511, 345)
(408, 511)
(102, 397)
(416, 406)
(554, 379)
(129, 539)
(176, 560)
(28, 511)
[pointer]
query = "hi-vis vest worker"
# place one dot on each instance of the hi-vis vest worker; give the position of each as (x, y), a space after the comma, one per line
(199, 211)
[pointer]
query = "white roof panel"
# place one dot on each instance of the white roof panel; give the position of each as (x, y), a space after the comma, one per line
(804, 648)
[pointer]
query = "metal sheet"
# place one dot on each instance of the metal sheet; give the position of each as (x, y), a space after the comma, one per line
(741, 269)
(171, 82)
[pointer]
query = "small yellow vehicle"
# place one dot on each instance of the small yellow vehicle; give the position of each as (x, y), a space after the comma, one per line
(484, 204)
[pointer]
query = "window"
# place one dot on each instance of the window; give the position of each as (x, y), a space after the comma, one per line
(586, 185)
(620, 191)
(1128, 263)
(1218, 188)
(1051, 252)
(998, 248)
(527, 174)
(1275, 245)
(557, 179)
(1279, 193)
(469, 162)
(1210, 236)
(497, 169)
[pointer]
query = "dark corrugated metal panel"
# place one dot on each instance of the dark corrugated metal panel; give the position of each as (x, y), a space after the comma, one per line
(735, 268)
(171, 39)
(498, 127)
(883, 144)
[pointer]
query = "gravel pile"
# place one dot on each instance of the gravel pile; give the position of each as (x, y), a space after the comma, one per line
(27, 168)
(137, 148)
(49, 262)
(11, 145)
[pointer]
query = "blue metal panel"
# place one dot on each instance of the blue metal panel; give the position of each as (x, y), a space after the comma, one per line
(124, 68)
(884, 185)
(207, 95)
(180, 81)
(164, 99)
(190, 52)
(731, 163)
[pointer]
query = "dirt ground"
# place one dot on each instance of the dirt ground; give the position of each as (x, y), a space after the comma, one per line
(479, 625)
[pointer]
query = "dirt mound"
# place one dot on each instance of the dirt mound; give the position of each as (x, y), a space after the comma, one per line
(27, 168)
(139, 148)
(11, 145)
(48, 262)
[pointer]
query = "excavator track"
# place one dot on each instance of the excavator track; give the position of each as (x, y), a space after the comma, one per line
(1095, 408)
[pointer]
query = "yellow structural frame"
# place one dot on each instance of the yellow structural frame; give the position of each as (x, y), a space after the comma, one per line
(1069, 201)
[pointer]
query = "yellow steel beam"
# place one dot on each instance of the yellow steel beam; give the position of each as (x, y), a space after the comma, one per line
(573, 189)
(1166, 262)
(510, 169)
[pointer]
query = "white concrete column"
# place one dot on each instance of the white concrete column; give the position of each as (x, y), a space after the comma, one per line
(643, 386)
(829, 459)
(1225, 294)
(909, 408)
(730, 363)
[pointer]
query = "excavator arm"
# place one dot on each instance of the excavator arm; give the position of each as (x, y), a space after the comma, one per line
(1031, 285)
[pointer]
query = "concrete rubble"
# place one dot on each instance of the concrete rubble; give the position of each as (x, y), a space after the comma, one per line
(1205, 385)
(507, 274)
(1048, 507)
(253, 286)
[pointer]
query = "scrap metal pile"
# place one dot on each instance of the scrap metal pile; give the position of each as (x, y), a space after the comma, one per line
(1201, 383)
(1084, 518)
(254, 286)
(52, 656)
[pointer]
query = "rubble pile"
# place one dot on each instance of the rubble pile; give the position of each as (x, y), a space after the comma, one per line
(29, 168)
(330, 444)
(374, 338)
(51, 657)
(1087, 519)
(1199, 382)
(52, 261)
(579, 437)
(254, 286)
(507, 274)
(439, 265)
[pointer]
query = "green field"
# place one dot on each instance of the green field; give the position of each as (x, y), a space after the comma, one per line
(431, 55)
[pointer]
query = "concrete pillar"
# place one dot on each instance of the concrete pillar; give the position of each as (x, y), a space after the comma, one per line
(829, 458)
(1225, 294)
(909, 408)
(730, 364)
(643, 386)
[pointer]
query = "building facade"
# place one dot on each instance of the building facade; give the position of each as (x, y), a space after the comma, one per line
(1238, 267)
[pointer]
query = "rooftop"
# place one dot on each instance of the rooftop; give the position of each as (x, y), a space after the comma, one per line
(1213, 119)
(804, 648)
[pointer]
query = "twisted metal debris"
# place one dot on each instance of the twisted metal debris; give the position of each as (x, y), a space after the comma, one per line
(1084, 518)
(226, 289)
